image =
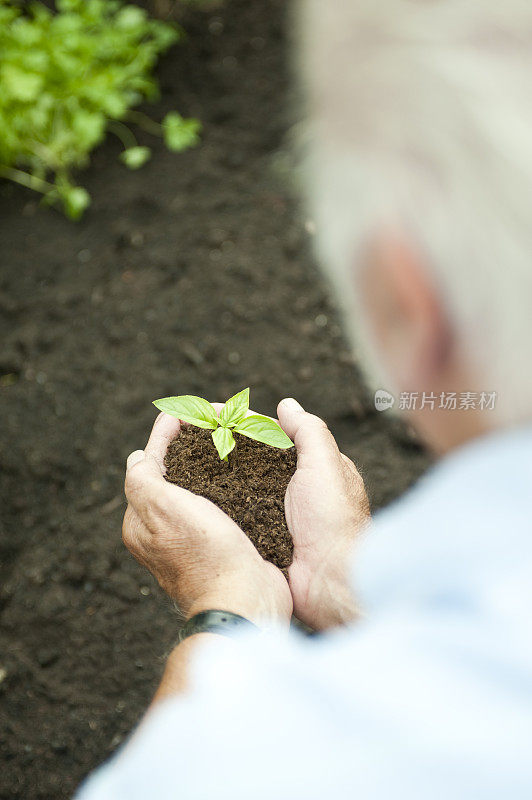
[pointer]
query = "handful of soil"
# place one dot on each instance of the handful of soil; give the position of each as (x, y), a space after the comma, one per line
(250, 489)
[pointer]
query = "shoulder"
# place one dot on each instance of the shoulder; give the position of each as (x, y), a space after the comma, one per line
(363, 711)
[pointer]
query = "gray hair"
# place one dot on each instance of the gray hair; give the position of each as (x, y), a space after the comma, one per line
(421, 117)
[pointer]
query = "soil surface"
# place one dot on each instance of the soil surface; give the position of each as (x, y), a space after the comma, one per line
(250, 488)
(192, 275)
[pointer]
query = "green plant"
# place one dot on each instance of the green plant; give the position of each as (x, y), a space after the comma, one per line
(233, 417)
(67, 78)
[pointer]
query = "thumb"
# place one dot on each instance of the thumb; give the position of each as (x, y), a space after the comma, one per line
(144, 479)
(311, 436)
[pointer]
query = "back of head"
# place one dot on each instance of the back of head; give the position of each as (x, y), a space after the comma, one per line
(421, 117)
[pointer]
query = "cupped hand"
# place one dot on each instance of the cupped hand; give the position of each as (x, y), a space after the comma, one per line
(199, 556)
(326, 507)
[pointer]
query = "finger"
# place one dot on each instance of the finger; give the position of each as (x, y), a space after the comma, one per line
(160, 505)
(144, 481)
(165, 428)
(134, 457)
(134, 532)
(311, 436)
(349, 462)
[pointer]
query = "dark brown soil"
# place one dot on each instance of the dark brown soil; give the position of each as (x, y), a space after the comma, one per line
(250, 488)
(192, 275)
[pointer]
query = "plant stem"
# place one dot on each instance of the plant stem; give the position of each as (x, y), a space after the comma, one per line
(123, 133)
(146, 123)
(25, 179)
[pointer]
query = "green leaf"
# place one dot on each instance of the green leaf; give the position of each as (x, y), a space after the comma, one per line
(235, 409)
(21, 85)
(88, 127)
(135, 157)
(67, 5)
(180, 134)
(130, 17)
(189, 408)
(264, 429)
(75, 201)
(224, 441)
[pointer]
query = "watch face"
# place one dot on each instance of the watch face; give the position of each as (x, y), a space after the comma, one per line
(214, 621)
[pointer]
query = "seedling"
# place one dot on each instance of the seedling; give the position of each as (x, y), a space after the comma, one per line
(233, 417)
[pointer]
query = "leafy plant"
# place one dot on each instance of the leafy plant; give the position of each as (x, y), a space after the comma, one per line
(233, 417)
(66, 79)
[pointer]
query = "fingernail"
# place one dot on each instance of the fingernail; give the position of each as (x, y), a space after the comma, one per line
(134, 458)
(292, 404)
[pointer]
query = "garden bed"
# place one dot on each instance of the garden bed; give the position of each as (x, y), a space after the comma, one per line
(175, 281)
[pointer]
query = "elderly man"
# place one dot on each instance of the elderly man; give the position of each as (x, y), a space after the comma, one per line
(420, 684)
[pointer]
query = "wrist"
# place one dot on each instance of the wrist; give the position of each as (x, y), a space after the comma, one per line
(176, 677)
(266, 605)
(323, 586)
(260, 615)
(332, 603)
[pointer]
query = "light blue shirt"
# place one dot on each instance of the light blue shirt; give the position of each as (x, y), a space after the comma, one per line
(430, 697)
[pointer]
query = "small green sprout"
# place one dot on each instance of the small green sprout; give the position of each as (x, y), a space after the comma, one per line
(233, 417)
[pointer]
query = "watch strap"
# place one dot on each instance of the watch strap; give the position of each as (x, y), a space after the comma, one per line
(215, 621)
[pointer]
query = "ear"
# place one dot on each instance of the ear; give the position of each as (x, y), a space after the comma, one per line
(405, 313)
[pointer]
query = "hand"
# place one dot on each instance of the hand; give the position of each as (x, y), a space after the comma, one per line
(326, 507)
(199, 556)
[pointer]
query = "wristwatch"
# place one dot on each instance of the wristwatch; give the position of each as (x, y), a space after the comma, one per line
(215, 621)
